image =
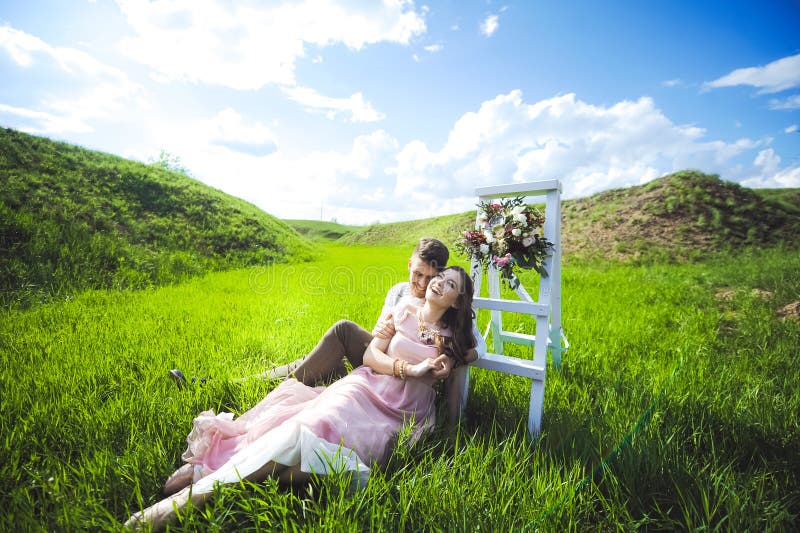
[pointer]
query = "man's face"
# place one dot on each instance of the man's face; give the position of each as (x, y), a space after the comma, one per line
(420, 274)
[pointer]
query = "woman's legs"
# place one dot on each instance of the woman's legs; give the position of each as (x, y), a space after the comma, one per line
(286, 475)
(179, 479)
(157, 516)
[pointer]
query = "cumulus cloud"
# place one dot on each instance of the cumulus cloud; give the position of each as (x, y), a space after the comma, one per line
(46, 122)
(768, 172)
(791, 129)
(354, 181)
(229, 129)
(355, 106)
(590, 148)
(248, 44)
(91, 89)
(786, 104)
(490, 25)
(774, 77)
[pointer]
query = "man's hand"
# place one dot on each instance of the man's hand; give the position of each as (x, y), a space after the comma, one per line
(443, 366)
(384, 329)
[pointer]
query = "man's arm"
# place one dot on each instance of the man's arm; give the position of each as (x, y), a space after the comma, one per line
(384, 327)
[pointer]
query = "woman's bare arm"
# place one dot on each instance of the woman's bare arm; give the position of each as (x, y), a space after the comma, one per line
(375, 357)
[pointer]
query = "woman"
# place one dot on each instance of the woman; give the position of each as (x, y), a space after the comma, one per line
(297, 430)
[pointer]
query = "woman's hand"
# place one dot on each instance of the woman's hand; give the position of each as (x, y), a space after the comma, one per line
(445, 365)
(430, 367)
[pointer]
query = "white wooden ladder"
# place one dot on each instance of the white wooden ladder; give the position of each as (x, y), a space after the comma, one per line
(547, 310)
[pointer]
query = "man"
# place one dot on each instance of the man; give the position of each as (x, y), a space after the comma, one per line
(346, 341)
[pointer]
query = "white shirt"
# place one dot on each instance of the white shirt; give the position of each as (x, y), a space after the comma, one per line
(403, 291)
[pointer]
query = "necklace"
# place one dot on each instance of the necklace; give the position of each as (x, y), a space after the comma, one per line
(426, 334)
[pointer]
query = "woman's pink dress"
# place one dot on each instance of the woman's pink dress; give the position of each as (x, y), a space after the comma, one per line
(345, 426)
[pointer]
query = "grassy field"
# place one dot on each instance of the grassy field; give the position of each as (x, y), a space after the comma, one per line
(675, 407)
(73, 219)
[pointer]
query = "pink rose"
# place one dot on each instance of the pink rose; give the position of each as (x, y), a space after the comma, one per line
(502, 261)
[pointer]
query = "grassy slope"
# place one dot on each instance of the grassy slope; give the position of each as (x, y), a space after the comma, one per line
(446, 228)
(72, 218)
(684, 215)
(692, 399)
(318, 229)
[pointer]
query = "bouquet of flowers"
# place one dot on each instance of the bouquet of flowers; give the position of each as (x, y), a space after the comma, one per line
(507, 237)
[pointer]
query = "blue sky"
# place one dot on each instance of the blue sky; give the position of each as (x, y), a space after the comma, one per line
(381, 111)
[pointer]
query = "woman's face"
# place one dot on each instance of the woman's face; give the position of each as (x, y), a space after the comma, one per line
(444, 289)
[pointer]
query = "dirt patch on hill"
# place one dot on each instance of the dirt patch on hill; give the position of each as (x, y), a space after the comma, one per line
(680, 216)
(790, 311)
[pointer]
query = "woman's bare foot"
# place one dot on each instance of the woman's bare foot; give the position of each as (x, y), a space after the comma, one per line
(158, 515)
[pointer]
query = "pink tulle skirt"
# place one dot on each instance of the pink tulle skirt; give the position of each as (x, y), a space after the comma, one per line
(346, 426)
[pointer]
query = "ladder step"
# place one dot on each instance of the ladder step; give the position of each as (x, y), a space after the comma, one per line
(513, 306)
(518, 338)
(532, 188)
(510, 365)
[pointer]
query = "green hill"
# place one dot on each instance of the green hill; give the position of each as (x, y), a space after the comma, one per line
(679, 216)
(72, 218)
(321, 230)
(683, 215)
(446, 228)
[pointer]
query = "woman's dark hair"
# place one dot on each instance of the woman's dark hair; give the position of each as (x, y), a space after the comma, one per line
(459, 321)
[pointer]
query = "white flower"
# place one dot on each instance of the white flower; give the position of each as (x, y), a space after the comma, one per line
(527, 241)
(489, 236)
(484, 249)
(522, 219)
(516, 232)
(518, 210)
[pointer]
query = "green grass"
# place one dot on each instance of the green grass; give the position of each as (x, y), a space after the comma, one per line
(73, 219)
(446, 228)
(321, 230)
(673, 409)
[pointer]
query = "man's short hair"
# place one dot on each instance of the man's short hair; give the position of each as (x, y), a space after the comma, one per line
(433, 252)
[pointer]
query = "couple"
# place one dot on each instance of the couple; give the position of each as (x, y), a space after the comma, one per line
(426, 328)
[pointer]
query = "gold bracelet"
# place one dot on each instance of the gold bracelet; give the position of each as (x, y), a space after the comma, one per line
(394, 368)
(403, 364)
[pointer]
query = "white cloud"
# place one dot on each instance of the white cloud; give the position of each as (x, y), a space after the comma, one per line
(490, 25)
(768, 172)
(229, 129)
(588, 147)
(247, 44)
(787, 104)
(673, 83)
(791, 129)
(46, 122)
(433, 48)
(355, 106)
(101, 89)
(777, 76)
